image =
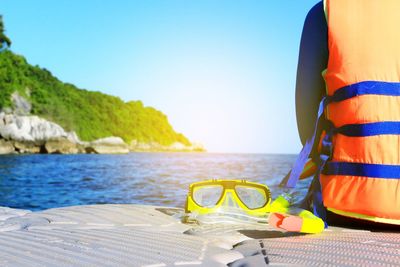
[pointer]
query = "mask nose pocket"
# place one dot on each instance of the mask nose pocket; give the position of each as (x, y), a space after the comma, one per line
(229, 201)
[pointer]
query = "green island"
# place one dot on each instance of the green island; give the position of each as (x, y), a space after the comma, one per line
(90, 114)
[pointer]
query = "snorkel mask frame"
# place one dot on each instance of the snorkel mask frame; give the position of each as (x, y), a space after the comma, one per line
(228, 189)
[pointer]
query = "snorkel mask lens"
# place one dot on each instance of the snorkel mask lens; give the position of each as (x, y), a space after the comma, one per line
(207, 196)
(253, 198)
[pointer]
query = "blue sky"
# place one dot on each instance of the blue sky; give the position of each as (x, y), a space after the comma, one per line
(223, 71)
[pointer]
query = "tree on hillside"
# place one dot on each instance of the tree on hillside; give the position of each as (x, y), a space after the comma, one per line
(4, 40)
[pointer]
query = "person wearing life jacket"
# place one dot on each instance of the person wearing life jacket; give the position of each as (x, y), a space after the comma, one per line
(349, 63)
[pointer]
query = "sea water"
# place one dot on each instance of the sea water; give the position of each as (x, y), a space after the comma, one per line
(38, 182)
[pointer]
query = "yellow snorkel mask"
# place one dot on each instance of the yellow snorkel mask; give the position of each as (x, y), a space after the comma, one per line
(238, 201)
(228, 196)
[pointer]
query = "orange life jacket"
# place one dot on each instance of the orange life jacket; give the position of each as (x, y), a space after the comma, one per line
(362, 175)
(359, 165)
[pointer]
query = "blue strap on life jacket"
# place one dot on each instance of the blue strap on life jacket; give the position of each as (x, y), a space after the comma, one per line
(325, 154)
(306, 151)
(365, 88)
(314, 197)
(369, 129)
(362, 169)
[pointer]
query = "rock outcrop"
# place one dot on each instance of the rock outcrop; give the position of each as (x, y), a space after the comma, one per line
(6, 147)
(61, 146)
(21, 105)
(108, 145)
(31, 134)
(136, 146)
(27, 147)
(31, 129)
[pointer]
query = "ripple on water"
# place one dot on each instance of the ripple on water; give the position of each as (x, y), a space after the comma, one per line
(38, 182)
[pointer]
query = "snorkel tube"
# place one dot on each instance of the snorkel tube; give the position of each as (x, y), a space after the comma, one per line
(292, 219)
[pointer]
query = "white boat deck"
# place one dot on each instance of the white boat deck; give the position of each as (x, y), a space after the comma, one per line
(135, 235)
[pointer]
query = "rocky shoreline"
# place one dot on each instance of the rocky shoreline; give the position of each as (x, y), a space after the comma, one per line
(27, 134)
